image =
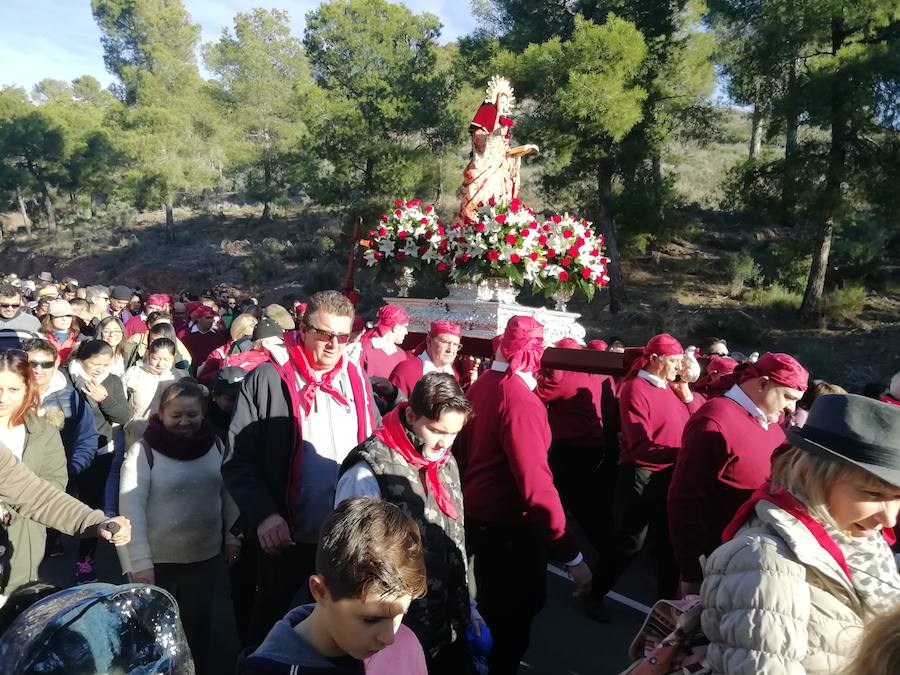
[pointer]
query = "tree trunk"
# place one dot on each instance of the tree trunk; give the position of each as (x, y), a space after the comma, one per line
(93, 205)
(170, 223)
(617, 300)
(48, 206)
(267, 188)
(267, 211)
(26, 221)
(756, 120)
(658, 188)
(791, 147)
(369, 175)
(832, 194)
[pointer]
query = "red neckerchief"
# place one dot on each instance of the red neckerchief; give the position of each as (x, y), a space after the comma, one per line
(308, 392)
(393, 434)
(787, 502)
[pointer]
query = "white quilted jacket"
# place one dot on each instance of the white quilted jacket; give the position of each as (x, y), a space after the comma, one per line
(763, 610)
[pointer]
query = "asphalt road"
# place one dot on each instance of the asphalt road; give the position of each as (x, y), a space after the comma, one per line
(564, 640)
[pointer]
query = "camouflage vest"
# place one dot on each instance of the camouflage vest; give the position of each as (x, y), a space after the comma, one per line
(441, 616)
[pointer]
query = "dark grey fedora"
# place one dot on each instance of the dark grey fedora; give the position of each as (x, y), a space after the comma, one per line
(856, 429)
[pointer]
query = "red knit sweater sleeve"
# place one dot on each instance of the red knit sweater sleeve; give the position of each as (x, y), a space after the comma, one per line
(695, 494)
(525, 438)
(635, 416)
(406, 374)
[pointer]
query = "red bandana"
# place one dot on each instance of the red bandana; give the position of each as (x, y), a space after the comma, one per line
(308, 392)
(393, 434)
(787, 502)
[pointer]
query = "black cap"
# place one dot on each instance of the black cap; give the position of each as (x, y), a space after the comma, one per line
(267, 328)
(228, 382)
(120, 293)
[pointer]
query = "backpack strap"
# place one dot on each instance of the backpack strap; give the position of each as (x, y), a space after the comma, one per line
(148, 452)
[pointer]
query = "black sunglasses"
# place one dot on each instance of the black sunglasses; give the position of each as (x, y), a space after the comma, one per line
(5, 305)
(326, 336)
(43, 365)
(9, 354)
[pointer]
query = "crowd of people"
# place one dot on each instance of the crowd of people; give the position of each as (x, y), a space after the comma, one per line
(370, 508)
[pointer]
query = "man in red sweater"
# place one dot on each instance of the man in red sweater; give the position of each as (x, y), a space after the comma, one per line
(514, 519)
(654, 406)
(201, 339)
(441, 347)
(725, 455)
(381, 346)
(583, 412)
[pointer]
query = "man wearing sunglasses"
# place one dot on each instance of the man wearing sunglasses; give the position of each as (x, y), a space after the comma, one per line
(441, 349)
(12, 314)
(294, 423)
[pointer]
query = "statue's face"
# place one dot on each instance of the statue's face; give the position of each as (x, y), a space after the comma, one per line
(503, 104)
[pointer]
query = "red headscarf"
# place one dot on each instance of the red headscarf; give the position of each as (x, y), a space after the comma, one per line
(160, 300)
(202, 311)
(444, 328)
(192, 306)
(389, 317)
(721, 365)
(568, 343)
(661, 345)
(597, 345)
(781, 369)
(523, 344)
(393, 434)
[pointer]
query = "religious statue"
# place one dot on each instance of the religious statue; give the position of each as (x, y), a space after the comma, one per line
(493, 169)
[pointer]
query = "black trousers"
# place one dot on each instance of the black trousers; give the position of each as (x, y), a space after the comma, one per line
(92, 491)
(640, 507)
(585, 479)
(243, 585)
(453, 659)
(192, 585)
(511, 577)
(282, 582)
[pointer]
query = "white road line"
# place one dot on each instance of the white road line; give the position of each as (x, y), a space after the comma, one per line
(612, 595)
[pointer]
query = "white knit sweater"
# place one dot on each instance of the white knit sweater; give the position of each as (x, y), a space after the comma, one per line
(178, 509)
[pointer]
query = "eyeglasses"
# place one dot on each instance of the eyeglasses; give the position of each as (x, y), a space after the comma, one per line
(111, 332)
(453, 346)
(14, 354)
(43, 365)
(718, 354)
(327, 336)
(5, 305)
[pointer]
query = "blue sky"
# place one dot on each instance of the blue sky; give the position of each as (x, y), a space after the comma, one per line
(59, 39)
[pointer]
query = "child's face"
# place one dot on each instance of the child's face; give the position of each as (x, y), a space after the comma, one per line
(362, 627)
(160, 361)
(183, 415)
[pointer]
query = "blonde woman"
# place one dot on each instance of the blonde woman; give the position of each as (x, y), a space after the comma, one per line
(806, 561)
(879, 653)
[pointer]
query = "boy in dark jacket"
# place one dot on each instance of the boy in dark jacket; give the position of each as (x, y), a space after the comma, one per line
(370, 567)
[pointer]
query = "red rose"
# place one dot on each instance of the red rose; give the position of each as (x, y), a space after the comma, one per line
(371, 233)
(398, 213)
(573, 251)
(479, 227)
(465, 257)
(424, 221)
(493, 256)
(429, 208)
(514, 205)
(585, 273)
(398, 202)
(542, 240)
(492, 202)
(382, 232)
(422, 249)
(500, 218)
(563, 276)
(587, 233)
(551, 253)
(441, 229)
(400, 255)
(556, 219)
(544, 264)
(402, 234)
(441, 267)
(510, 238)
(413, 202)
(443, 246)
(568, 234)
(579, 241)
(547, 228)
(533, 225)
(514, 258)
(595, 252)
(565, 262)
(378, 255)
(524, 233)
(533, 255)
(506, 121)
(384, 218)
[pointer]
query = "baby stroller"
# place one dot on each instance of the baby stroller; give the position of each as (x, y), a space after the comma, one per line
(98, 628)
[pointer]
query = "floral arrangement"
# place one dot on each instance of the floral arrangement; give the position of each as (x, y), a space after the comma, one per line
(503, 241)
(408, 238)
(574, 258)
